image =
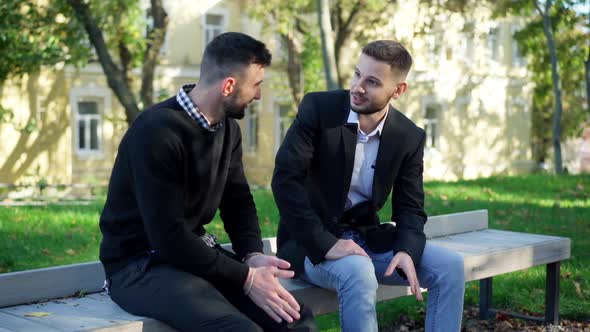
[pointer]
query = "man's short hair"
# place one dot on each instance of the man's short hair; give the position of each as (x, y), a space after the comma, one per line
(229, 53)
(391, 52)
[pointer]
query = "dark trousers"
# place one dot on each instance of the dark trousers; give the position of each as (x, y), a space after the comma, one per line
(186, 302)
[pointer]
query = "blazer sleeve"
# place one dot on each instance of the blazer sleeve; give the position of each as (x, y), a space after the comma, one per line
(237, 208)
(288, 183)
(408, 205)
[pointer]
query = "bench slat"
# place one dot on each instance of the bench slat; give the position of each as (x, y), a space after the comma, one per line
(50, 283)
(15, 323)
(492, 252)
(456, 223)
(73, 315)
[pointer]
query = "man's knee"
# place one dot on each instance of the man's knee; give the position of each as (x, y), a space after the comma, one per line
(455, 272)
(360, 277)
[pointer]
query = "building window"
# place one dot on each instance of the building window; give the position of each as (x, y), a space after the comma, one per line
(214, 25)
(517, 58)
(283, 121)
(88, 129)
(493, 44)
(466, 46)
(433, 48)
(251, 130)
(431, 124)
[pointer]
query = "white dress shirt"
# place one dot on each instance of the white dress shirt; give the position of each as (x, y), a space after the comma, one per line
(365, 156)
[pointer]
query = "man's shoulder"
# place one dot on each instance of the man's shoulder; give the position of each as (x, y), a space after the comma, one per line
(329, 108)
(158, 123)
(160, 113)
(402, 121)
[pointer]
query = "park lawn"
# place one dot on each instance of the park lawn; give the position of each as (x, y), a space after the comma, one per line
(34, 237)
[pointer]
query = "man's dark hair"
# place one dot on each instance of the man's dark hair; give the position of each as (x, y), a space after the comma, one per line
(229, 53)
(391, 52)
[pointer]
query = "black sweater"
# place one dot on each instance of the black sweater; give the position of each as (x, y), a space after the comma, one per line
(169, 178)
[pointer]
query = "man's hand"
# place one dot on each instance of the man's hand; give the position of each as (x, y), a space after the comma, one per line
(267, 293)
(404, 262)
(345, 248)
(266, 260)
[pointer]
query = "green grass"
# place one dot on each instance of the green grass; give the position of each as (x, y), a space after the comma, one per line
(33, 237)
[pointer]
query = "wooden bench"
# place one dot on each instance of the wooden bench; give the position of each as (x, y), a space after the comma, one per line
(487, 253)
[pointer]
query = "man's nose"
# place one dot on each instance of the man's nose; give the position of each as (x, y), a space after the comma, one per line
(357, 88)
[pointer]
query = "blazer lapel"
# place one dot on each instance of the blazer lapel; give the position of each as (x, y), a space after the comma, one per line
(349, 136)
(389, 145)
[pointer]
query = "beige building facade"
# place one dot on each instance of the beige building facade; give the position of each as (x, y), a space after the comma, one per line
(468, 88)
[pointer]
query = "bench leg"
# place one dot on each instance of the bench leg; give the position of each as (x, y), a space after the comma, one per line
(485, 298)
(552, 294)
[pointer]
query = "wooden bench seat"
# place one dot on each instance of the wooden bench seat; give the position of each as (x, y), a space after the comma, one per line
(487, 253)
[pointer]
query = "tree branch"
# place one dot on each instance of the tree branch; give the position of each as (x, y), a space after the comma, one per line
(156, 39)
(538, 7)
(343, 33)
(125, 57)
(115, 77)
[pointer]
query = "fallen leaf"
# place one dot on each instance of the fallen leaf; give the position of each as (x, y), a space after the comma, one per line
(46, 252)
(501, 316)
(37, 314)
(578, 288)
(70, 252)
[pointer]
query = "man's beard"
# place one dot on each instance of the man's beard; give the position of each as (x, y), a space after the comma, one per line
(369, 109)
(233, 109)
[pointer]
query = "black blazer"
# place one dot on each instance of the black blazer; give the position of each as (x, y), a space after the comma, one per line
(313, 169)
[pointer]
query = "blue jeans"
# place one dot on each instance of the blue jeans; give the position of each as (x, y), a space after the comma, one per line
(355, 279)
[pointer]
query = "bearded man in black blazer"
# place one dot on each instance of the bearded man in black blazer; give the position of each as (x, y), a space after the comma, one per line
(343, 156)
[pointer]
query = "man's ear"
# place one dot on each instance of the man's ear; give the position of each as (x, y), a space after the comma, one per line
(227, 86)
(400, 89)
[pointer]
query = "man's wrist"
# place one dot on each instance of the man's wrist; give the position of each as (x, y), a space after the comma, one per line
(250, 255)
(249, 280)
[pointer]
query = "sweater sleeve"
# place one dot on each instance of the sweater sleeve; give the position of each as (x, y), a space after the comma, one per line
(237, 208)
(156, 166)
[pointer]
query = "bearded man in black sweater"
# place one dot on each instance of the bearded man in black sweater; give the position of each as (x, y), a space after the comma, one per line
(179, 162)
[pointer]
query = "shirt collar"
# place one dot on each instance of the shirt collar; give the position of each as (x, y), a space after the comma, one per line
(193, 111)
(353, 118)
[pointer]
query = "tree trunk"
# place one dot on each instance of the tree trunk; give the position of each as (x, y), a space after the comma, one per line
(115, 76)
(327, 44)
(587, 70)
(343, 32)
(156, 39)
(294, 67)
(547, 28)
